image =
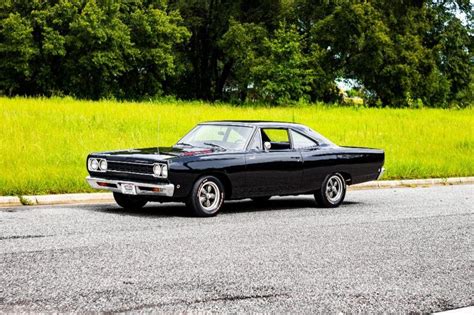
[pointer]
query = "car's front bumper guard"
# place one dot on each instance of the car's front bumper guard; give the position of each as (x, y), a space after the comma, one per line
(141, 188)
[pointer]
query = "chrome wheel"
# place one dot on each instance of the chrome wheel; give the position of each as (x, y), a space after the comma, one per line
(209, 197)
(334, 189)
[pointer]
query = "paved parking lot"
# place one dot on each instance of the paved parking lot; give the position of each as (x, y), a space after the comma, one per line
(392, 250)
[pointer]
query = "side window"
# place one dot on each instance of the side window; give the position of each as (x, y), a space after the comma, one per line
(277, 135)
(300, 141)
(278, 138)
(256, 143)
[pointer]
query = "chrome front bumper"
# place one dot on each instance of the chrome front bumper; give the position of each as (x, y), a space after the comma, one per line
(141, 188)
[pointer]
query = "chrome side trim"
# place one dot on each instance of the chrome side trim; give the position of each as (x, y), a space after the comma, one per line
(166, 190)
(382, 170)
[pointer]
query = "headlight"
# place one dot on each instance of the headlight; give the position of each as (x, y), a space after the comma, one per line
(157, 169)
(103, 165)
(93, 164)
(160, 170)
(164, 171)
(97, 165)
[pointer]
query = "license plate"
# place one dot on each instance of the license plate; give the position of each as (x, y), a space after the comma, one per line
(129, 189)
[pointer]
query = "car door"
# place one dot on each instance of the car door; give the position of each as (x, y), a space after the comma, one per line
(276, 171)
(318, 161)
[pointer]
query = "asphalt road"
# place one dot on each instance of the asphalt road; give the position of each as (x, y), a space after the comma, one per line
(390, 250)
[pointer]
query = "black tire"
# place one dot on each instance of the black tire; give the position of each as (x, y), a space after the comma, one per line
(206, 197)
(332, 192)
(260, 200)
(129, 202)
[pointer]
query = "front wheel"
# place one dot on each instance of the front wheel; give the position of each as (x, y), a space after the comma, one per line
(206, 197)
(332, 192)
(129, 202)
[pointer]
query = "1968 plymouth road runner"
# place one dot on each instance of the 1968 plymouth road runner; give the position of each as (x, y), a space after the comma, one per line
(223, 160)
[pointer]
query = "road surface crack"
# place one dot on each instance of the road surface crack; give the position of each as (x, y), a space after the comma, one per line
(205, 300)
(14, 237)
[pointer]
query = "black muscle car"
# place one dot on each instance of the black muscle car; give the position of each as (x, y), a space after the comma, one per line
(224, 160)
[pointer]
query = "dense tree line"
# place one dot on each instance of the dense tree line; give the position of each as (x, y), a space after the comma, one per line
(398, 52)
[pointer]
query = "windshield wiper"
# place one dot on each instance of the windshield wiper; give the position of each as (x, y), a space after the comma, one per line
(214, 145)
(184, 143)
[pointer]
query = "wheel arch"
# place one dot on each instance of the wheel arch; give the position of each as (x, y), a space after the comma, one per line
(347, 177)
(224, 180)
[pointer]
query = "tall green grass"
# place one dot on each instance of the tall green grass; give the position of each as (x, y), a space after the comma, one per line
(44, 142)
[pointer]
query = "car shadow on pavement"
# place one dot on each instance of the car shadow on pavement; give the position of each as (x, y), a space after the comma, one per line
(286, 203)
(270, 205)
(229, 207)
(154, 210)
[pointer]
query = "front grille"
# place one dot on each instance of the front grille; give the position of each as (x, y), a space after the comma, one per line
(125, 167)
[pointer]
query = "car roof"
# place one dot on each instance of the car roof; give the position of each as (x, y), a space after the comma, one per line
(254, 123)
(272, 124)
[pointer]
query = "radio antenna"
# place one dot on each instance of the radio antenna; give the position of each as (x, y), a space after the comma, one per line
(158, 145)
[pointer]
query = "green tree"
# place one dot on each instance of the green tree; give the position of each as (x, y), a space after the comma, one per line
(402, 53)
(98, 43)
(17, 49)
(281, 74)
(89, 49)
(156, 36)
(451, 43)
(207, 67)
(267, 67)
(242, 44)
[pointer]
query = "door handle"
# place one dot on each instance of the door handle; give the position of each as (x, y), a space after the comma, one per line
(296, 158)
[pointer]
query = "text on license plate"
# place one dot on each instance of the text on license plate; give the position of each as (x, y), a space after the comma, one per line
(129, 189)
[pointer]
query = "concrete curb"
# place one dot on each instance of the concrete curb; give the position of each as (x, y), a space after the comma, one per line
(68, 199)
(10, 201)
(460, 311)
(414, 183)
(13, 201)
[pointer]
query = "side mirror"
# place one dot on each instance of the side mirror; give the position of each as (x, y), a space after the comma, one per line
(267, 146)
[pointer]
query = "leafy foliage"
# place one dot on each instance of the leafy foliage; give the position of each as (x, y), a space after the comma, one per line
(89, 49)
(282, 74)
(401, 53)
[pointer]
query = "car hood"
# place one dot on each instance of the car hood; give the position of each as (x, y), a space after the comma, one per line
(156, 153)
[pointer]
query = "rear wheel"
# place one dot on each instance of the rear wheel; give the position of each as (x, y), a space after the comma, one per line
(129, 202)
(206, 197)
(332, 191)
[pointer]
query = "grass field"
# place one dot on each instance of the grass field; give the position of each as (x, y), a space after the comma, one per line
(44, 142)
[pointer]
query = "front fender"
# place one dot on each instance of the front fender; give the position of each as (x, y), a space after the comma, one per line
(184, 172)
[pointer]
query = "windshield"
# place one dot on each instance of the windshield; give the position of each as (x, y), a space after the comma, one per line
(219, 136)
